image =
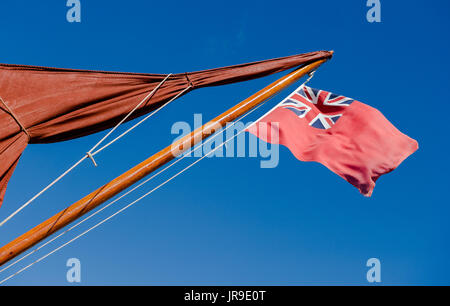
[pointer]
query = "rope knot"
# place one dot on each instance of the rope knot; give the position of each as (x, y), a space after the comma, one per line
(91, 157)
(191, 85)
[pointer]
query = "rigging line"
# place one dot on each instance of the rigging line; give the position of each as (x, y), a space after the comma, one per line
(311, 75)
(191, 150)
(119, 211)
(90, 155)
(9, 111)
(149, 96)
(140, 122)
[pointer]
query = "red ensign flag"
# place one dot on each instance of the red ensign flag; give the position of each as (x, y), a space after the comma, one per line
(350, 138)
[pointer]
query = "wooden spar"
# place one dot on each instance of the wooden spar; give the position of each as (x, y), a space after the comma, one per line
(127, 179)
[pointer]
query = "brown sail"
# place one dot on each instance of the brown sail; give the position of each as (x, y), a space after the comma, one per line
(45, 105)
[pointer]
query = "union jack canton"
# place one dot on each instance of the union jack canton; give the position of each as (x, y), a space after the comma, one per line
(322, 109)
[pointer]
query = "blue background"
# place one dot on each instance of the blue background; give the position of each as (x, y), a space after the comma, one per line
(226, 221)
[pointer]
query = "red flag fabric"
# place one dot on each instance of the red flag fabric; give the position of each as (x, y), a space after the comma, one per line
(44, 105)
(350, 138)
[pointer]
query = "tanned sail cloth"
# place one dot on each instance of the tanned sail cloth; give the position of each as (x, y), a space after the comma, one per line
(45, 105)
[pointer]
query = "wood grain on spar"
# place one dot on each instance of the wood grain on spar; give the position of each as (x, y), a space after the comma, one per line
(127, 179)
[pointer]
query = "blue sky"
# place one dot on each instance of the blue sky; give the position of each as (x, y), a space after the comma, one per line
(227, 221)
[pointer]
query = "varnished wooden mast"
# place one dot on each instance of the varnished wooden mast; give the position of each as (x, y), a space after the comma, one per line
(127, 179)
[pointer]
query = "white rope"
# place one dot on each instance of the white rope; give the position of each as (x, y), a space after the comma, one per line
(150, 95)
(121, 210)
(311, 74)
(191, 150)
(90, 154)
(140, 122)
